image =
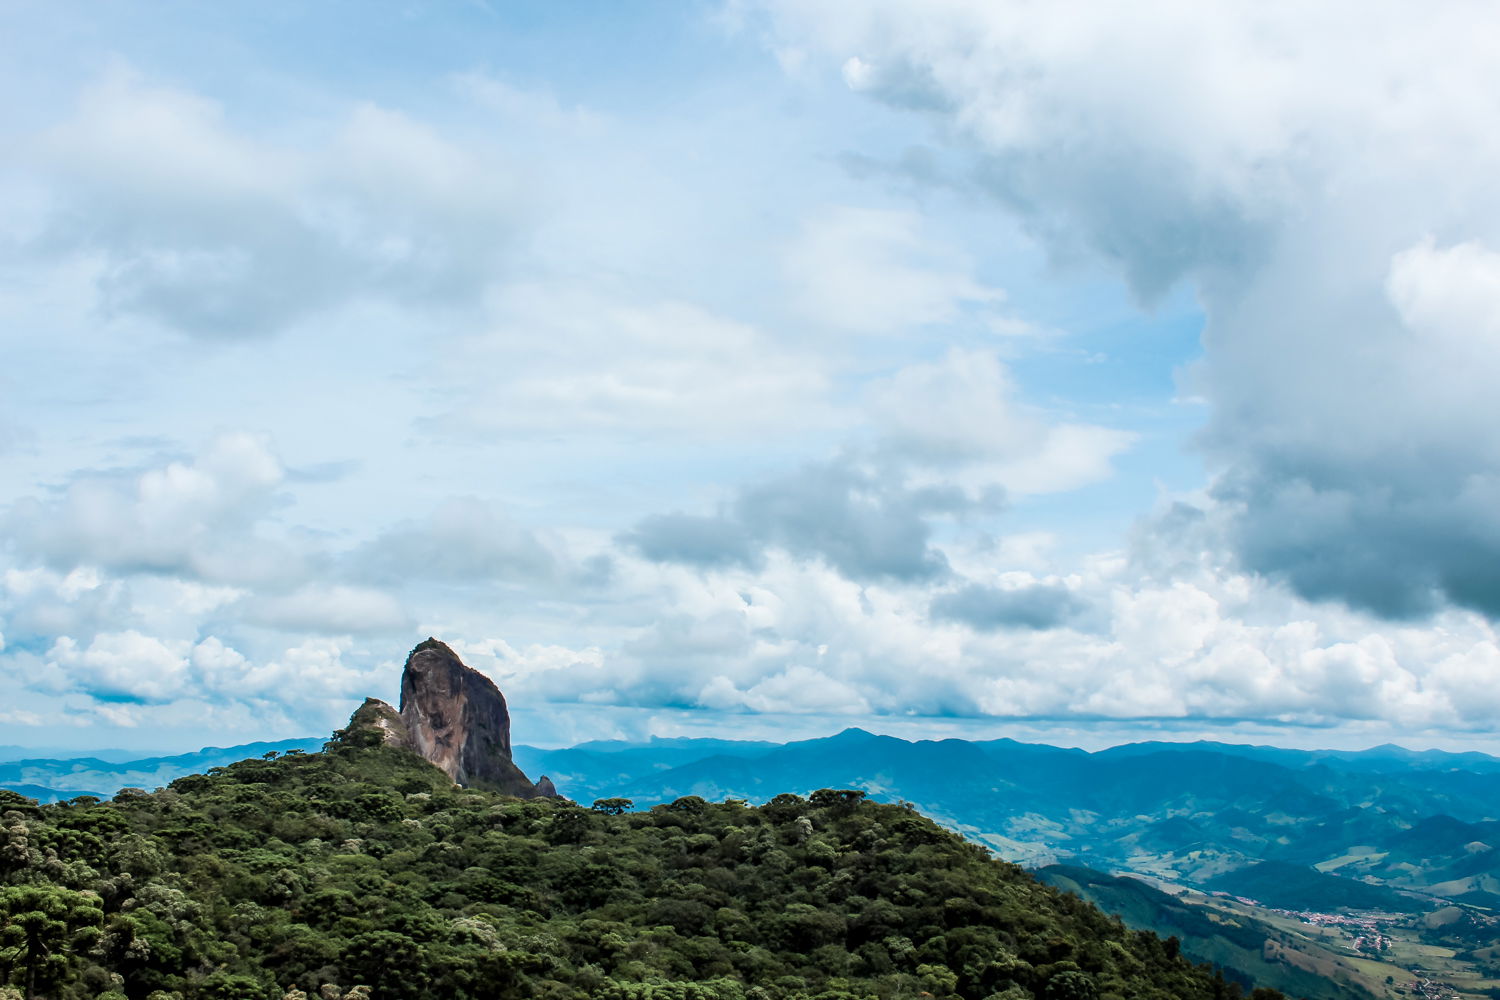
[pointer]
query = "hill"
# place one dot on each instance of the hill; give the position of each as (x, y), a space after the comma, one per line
(1294, 887)
(1206, 936)
(365, 865)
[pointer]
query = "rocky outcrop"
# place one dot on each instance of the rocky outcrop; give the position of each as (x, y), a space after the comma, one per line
(455, 717)
(376, 715)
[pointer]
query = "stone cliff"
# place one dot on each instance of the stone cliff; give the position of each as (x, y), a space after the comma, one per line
(455, 717)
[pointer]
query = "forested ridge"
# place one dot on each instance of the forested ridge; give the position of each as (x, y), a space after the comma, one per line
(362, 871)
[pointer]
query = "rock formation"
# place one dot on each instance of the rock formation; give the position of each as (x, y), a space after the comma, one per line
(455, 717)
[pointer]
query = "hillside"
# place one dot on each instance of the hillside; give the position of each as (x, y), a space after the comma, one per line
(1188, 812)
(1295, 887)
(1206, 936)
(364, 865)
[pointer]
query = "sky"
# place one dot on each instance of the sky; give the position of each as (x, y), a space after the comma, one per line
(752, 368)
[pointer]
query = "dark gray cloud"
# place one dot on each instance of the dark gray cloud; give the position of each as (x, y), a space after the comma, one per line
(693, 541)
(1400, 548)
(1087, 187)
(1040, 606)
(862, 526)
(865, 524)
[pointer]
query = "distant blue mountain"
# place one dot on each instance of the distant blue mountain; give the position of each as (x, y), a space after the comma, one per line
(9, 753)
(1190, 812)
(53, 779)
(1383, 758)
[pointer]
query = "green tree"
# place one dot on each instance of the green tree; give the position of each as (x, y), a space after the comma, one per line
(45, 929)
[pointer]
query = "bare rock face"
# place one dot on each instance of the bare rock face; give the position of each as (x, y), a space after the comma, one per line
(376, 715)
(455, 717)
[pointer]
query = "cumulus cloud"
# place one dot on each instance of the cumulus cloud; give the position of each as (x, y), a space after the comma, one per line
(195, 518)
(189, 219)
(693, 540)
(864, 524)
(124, 666)
(1322, 177)
(986, 608)
(795, 689)
(146, 673)
(961, 413)
(950, 441)
(1211, 648)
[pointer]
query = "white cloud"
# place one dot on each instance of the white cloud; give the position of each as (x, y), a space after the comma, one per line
(1449, 299)
(462, 539)
(127, 664)
(538, 107)
(874, 271)
(962, 411)
(1307, 169)
(20, 718)
(151, 674)
(197, 518)
(1212, 650)
(795, 689)
(570, 358)
(330, 609)
(185, 217)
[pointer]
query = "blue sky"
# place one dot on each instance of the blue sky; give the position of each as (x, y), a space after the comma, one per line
(752, 367)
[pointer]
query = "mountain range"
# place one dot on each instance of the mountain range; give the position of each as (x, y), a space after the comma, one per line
(1422, 825)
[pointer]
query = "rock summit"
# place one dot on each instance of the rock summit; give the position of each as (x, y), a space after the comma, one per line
(455, 717)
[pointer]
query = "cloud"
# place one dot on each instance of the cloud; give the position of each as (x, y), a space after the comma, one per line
(1314, 173)
(582, 357)
(124, 666)
(191, 221)
(950, 440)
(873, 271)
(196, 518)
(861, 525)
(463, 540)
(331, 610)
(693, 541)
(961, 414)
(1211, 648)
(1037, 606)
(797, 689)
(861, 521)
(154, 676)
(533, 106)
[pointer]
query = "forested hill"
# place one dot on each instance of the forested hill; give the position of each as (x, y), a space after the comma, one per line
(364, 866)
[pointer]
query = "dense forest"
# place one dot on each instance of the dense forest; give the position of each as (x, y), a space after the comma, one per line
(362, 872)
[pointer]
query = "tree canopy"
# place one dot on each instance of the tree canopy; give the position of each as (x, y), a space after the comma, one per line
(363, 872)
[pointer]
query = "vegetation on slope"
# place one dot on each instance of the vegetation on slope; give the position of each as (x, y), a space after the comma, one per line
(364, 866)
(1238, 945)
(1296, 887)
